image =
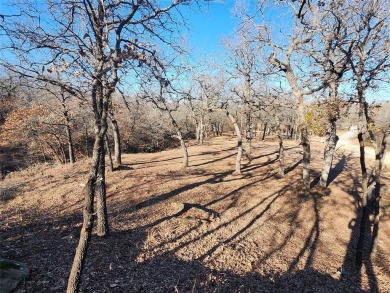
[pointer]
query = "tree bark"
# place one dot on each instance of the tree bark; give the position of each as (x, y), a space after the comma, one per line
(201, 131)
(70, 144)
(331, 142)
(264, 131)
(364, 207)
(248, 134)
(101, 207)
(117, 141)
(109, 154)
(88, 219)
(380, 153)
(239, 143)
(281, 154)
(180, 138)
(184, 150)
(197, 132)
(306, 158)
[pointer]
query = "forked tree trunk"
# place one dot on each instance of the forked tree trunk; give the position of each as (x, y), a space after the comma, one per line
(331, 142)
(179, 136)
(117, 141)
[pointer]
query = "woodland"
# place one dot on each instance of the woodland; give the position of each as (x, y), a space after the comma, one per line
(131, 164)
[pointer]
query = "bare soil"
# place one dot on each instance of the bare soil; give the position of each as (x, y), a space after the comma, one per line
(199, 230)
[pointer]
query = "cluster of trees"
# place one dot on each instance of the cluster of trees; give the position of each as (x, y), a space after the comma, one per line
(82, 78)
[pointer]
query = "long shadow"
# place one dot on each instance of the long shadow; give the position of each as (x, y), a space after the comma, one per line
(336, 171)
(205, 206)
(311, 241)
(115, 264)
(292, 221)
(118, 263)
(348, 270)
(213, 152)
(273, 153)
(257, 166)
(215, 179)
(250, 224)
(227, 223)
(315, 181)
(155, 161)
(175, 158)
(213, 161)
(292, 167)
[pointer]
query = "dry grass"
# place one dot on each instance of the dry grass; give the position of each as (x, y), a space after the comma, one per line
(253, 232)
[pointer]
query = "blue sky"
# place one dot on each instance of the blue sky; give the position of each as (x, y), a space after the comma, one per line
(210, 25)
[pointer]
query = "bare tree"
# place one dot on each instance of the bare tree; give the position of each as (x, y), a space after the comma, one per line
(330, 50)
(243, 70)
(88, 42)
(288, 59)
(369, 62)
(166, 94)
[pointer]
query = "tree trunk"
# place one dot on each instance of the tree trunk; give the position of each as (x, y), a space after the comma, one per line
(306, 158)
(281, 154)
(201, 131)
(101, 207)
(117, 141)
(248, 135)
(197, 132)
(88, 219)
(380, 153)
(331, 142)
(291, 133)
(70, 144)
(239, 143)
(264, 130)
(180, 138)
(109, 154)
(184, 150)
(364, 207)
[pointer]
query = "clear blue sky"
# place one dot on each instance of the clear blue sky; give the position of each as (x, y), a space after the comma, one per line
(209, 25)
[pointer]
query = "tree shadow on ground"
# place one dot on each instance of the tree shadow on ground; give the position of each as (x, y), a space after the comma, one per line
(117, 263)
(122, 262)
(292, 167)
(213, 161)
(349, 270)
(337, 169)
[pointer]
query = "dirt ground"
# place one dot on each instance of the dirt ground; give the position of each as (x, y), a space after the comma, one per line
(200, 230)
